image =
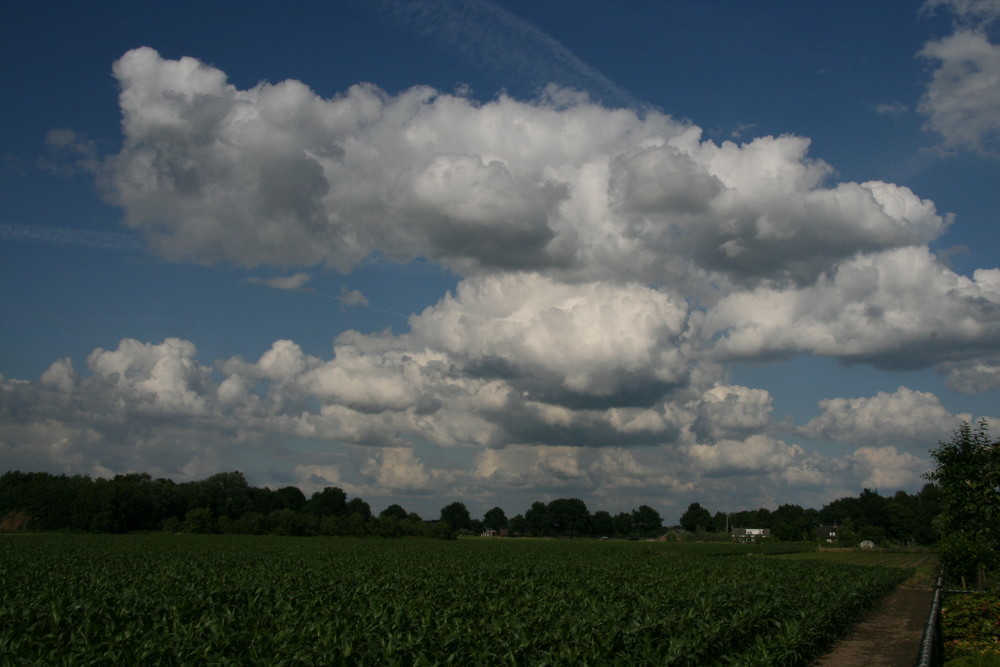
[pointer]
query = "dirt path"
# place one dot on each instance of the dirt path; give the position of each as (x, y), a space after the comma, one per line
(889, 636)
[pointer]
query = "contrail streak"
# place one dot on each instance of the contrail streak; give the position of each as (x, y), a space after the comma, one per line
(71, 236)
(486, 36)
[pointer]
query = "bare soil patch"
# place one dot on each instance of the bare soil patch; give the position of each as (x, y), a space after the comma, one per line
(890, 635)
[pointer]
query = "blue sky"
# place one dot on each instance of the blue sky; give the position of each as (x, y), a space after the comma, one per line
(739, 254)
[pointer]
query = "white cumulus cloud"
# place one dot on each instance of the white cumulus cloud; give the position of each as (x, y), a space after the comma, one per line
(913, 419)
(277, 175)
(962, 100)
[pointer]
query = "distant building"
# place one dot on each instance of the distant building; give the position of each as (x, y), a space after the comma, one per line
(828, 534)
(750, 534)
(490, 532)
(867, 544)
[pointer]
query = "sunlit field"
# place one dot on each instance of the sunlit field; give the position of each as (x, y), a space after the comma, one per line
(187, 599)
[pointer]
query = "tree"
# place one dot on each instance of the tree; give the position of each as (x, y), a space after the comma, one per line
(602, 524)
(199, 520)
(331, 501)
(291, 497)
(537, 518)
(518, 525)
(356, 507)
(568, 516)
(456, 515)
(968, 474)
(873, 509)
(393, 511)
(839, 511)
(647, 520)
(228, 494)
(287, 522)
(902, 510)
(928, 509)
(696, 517)
(495, 519)
(623, 524)
(789, 523)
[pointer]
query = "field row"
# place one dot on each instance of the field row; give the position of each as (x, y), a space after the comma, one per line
(172, 599)
(925, 561)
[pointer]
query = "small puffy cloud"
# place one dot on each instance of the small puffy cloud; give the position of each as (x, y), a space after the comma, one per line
(397, 470)
(893, 109)
(914, 419)
(962, 100)
(524, 465)
(365, 382)
(977, 12)
(163, 377)
(352, 297)
(69, 153)
(729, 411)
(61, 375)
(975, 376)
(292, 282)
(896, 309)
(774, 219)
(756, 454)
(887, 468)
(548, 337)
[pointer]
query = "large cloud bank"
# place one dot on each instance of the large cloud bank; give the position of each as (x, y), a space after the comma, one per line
(612, 263)
(277, 175)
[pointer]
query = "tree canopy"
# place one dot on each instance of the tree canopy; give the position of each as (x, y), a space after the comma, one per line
(456, 515)
(696, 518)
(226, 502)
(968, 474)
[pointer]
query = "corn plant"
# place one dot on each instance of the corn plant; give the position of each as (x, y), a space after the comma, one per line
(206, 599)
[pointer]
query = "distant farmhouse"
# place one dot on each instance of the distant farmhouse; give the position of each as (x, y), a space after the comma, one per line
(827, 534)
(746, 535)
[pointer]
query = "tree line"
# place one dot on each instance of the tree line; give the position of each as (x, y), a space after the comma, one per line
(227, 503)
(903, 519)
(960, 507)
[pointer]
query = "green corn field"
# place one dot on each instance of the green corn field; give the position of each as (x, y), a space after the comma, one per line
(204, 599)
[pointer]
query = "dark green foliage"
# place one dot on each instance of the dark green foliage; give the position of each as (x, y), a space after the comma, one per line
(518, 525)
(647, 521)
(970, 624)
(222, 503)
(624, 526)
(537, 518)
(968, 475)
(456, 515)
(207, 599)
(226, 503)
(696, 518)
(359, 507)
(393, 512)
(567, 517)
(226, 494)
(331, 501)
(602, 524)
(495, 519)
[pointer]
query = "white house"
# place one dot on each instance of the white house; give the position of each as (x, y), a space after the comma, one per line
(750, 534)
